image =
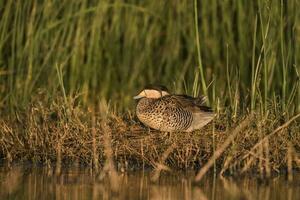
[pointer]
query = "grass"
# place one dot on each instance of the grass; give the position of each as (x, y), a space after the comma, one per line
(61, 62)
(48, 134)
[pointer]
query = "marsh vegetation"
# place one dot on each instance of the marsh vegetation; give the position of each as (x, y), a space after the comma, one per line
(69, 70)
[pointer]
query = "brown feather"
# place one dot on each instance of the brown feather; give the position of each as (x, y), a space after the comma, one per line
(190, 103)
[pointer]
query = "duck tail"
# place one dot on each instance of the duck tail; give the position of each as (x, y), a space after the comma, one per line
(201, 100)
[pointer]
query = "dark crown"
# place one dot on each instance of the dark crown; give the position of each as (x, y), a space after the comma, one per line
(156, 87)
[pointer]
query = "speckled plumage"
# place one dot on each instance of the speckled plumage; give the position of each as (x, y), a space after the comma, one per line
(173, 113)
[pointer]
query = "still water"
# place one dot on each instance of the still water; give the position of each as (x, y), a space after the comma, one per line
(42, 183)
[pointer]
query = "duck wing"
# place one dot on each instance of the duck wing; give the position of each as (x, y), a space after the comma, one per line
(194, 104)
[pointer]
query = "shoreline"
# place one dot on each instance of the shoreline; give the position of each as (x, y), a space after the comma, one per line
(37, 136)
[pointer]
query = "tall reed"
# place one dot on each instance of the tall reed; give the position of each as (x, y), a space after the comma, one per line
(110, 49)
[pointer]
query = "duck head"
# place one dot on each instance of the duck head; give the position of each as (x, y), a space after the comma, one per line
(153, 92)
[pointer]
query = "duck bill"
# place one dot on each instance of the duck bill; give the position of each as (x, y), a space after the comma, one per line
(137, 97)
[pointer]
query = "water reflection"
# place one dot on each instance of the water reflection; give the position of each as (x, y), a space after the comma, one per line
(41, 183)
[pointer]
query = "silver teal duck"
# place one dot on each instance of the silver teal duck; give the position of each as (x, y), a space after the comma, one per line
(160, 110)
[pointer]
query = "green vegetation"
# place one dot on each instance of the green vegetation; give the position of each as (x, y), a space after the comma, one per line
(60, 62)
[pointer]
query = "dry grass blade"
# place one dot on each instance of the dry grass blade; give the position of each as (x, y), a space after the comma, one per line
(199, 194)
(286, 124)
(267, 162)
(58, 159)
(219, 151)
(289, 158)
(109, 167)
(161, 166)
(95, 153)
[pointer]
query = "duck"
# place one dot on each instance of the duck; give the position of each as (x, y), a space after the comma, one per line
(158, 109)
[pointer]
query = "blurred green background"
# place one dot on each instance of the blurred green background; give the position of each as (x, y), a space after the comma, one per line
(249, 51)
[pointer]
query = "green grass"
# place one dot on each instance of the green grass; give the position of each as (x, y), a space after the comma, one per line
(110, 50)
(243, 54)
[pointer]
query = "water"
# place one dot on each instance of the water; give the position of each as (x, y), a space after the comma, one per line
(40, 183)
